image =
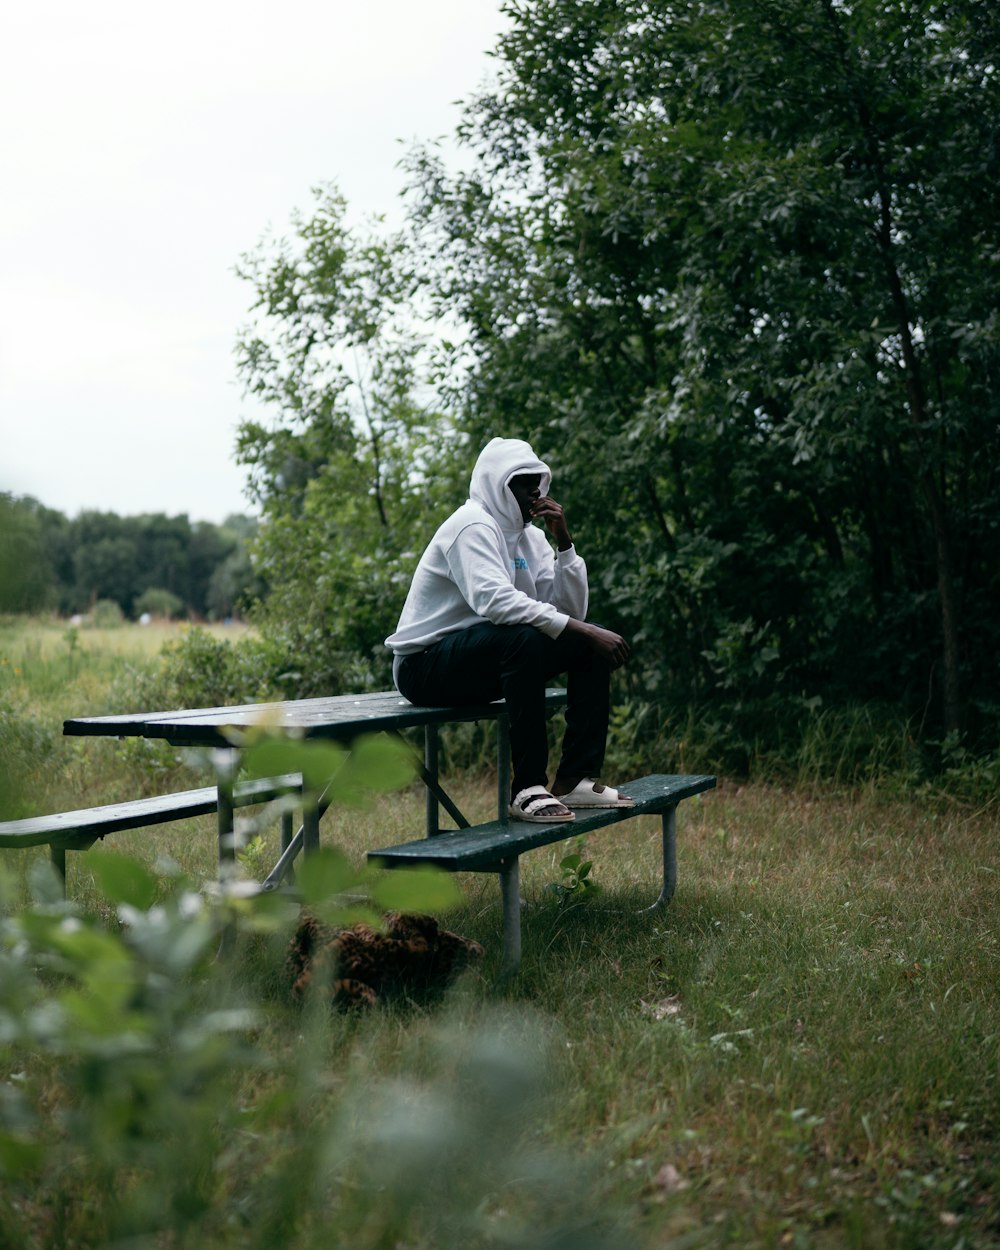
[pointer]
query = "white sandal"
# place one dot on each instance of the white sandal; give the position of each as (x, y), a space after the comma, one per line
(530, 804)
(589, 793)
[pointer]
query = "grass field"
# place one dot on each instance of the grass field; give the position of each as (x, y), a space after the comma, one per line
(802, 1050)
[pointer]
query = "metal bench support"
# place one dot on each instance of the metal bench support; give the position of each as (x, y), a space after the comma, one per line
(58, 856)
(510, 893)
(225, 774)
(503, 767)
(431, 744)
(669, 859)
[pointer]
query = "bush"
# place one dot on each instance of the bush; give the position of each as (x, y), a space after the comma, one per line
(200, 670)
(26, 747)
(151, 1102)
(159, 602)
(129, 1122)
(106, 614)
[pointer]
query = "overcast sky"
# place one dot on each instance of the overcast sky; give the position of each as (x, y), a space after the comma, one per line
(143, 149)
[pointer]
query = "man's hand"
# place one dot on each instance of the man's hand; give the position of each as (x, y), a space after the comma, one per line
(546, 509)
(610, 646)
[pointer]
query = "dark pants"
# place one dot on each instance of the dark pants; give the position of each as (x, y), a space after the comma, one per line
(514, 662)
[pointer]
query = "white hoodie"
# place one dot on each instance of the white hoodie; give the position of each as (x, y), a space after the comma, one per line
(486, 564)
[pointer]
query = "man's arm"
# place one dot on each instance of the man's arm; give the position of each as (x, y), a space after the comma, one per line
(546, 509)
(561, 580)
(606, 643)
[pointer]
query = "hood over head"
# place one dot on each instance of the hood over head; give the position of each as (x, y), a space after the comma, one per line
(499, 461)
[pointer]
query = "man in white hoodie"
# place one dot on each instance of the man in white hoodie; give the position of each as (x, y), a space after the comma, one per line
(493, 612)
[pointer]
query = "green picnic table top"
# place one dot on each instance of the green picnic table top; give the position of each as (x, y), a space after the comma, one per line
(338, 717)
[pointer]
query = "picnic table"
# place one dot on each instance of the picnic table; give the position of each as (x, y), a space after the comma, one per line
(493, 847)
(339, 718)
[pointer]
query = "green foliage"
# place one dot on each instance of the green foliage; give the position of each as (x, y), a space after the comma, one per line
(174, 1119)
(694, 251)
(333, 774)
(732, 269)
(202, 670)
(107, 614)
(159, 602)
(50, 561)
(356, 475)
(151, 1103)
(27, 746)
(971, 777)
(145, 1060)
(27, 580)
(348, 775)
(575, 883)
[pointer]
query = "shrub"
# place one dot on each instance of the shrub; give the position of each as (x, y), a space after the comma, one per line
(106, 614)
(159, 602)
(200, 670)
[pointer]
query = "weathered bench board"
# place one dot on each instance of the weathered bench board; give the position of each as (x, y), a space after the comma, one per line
(497, 845)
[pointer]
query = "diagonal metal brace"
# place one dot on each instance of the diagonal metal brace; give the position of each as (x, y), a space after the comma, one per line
(306, 837)
(432, 784)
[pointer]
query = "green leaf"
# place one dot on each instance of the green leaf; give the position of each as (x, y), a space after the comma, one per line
(18, 1156)
(272, 757)
(325, 873)
(316, 761)
(97, 1010)
(377, 764)
(95, 952)
(417, 889)
(38, 927)
(122, 879)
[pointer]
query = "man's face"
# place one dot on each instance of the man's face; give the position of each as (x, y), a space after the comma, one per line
(525, 489)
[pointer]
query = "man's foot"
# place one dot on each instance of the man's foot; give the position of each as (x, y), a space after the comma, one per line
(587, 793)
(535, 804)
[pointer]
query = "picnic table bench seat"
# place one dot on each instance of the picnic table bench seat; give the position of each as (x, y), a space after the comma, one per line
(497, 845)
(76, 831)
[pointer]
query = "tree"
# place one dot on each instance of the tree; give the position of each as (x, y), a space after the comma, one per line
(50, 561)
(350, 473)
(234, 585)
(734, 264)
(105, 561)
(27, 581)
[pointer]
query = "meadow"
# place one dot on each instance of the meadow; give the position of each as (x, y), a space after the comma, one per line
(802, 1050)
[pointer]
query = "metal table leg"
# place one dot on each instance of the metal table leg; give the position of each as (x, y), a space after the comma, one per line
(669, 859)
(503, 767)
(286, 830)
(431, 742)
(310, 828)
(511, 894)
(226, 773)
(57, 854)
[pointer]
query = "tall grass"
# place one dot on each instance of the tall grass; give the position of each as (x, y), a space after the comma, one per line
(802, 1050)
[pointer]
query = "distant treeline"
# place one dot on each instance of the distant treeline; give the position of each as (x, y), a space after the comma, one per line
(170, 565)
